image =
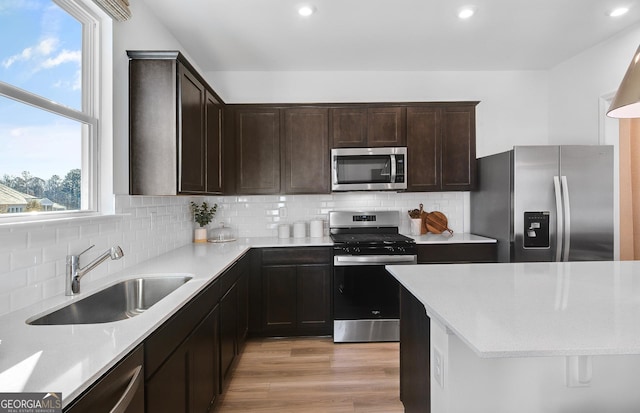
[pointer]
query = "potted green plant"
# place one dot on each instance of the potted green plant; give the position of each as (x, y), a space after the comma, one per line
(202, 214)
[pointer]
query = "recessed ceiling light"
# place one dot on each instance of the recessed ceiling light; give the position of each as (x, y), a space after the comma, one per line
(466, 12)
(618, 12)
(306, 11)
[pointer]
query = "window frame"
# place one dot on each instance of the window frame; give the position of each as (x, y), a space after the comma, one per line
(88, 116)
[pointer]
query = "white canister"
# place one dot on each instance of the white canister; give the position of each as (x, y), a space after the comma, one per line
(416, 226)
(284, 231)
(316, 228)
(299, 229)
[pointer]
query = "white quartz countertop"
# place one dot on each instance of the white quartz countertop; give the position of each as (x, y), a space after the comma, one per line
(68, 358)
(456, 238)
(533, 309)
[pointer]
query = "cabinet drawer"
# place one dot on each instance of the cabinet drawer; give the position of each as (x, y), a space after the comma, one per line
(295, 256)
(456, 253)
(231, 275)
(175, 330)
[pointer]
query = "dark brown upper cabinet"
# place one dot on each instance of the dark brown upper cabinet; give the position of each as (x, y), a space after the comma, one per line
(174, 127)
(423, 149)
(214, 133)
(279, 149)
(368, 126)
(285, 149)
(257, 145)
(193, 139)
(306, 151)
(441, 147)
(458, 148)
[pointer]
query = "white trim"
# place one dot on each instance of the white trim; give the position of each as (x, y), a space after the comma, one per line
(95, 51)
(20, 219)
(39, 102)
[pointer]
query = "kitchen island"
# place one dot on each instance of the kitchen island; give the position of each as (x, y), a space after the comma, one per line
(526, 337)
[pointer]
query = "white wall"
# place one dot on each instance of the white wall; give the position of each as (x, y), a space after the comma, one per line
(577, 85)
(512, 109)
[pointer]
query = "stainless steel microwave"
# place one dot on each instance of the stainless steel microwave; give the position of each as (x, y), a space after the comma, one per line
(368, 169)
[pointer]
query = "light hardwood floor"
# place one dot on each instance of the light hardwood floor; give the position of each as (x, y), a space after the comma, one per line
(314, 375)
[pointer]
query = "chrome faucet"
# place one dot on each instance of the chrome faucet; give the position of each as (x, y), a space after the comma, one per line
(74, 272)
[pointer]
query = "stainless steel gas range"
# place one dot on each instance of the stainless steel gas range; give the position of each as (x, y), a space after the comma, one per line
(366, 298)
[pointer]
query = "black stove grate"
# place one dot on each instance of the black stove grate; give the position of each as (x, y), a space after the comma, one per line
(371, 239)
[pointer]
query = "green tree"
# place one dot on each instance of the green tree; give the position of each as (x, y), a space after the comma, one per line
(71, 189)
(53, 189)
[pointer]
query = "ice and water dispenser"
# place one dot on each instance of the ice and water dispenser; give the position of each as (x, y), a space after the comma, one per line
(536, 229)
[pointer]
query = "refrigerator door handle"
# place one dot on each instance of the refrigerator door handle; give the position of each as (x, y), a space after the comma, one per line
(559, 220)
(567, 219)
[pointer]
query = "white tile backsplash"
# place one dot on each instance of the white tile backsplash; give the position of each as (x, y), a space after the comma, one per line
(32, 257)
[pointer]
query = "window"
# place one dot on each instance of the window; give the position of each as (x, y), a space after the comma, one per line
(48, 110)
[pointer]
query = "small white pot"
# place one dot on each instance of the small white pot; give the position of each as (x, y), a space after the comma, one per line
(200, 235)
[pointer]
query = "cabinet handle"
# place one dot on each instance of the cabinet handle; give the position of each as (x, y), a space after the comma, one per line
(124, 402)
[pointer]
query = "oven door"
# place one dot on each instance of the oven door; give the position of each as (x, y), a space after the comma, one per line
(366, 304)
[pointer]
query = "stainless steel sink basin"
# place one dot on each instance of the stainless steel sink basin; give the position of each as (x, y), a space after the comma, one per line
(120, 301)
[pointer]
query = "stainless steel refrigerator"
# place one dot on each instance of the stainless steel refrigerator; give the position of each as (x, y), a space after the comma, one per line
(546, 203)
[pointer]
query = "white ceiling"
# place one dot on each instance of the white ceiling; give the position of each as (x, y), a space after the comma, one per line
(269, 35)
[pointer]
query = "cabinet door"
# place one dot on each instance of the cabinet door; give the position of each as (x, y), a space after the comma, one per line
(385, 126)
(423, 149)
(188, 381)
(202, 365)
(192, 150)
(243, 309)
(258, 151)
(458, 148)
(306, 151)
(166, 390)
(279, 298)
(213, 128)
(314, 299)
(349, 127)
(228, 332)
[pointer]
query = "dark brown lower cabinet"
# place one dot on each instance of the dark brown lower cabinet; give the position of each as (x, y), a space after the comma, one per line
(107, 392)
(228, 332)
(313, 307)
(415, 383)
(279, 300)
(243, 306)
(187, 381)
(189, 356)
(296, 291)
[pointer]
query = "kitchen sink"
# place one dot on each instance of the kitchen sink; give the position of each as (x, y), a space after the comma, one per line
(120, 301)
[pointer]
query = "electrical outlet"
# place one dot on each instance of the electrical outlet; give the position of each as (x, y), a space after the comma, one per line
(438, 367)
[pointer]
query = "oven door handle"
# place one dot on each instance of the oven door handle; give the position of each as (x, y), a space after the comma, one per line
(343, 260)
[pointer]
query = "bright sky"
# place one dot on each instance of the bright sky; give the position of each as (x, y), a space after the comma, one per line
(40, 51)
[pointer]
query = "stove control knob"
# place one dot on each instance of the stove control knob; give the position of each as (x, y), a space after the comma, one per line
(356, 250)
